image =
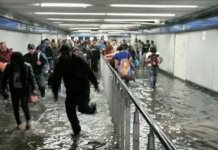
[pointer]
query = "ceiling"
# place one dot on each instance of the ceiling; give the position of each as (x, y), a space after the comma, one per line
(27, 10)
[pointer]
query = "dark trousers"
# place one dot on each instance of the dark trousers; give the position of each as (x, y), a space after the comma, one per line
(82, 101)
(18, 98)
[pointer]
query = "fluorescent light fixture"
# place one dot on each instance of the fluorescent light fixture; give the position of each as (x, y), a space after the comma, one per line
(153, 6)
(108, 14)
(65, 5)
(106, 30)
(141, 14)
(57, 22)
(84, 28)
(130, 20)
(68, 13)
(74, 20)
(88, 25)
(83, 31)
(119, 25)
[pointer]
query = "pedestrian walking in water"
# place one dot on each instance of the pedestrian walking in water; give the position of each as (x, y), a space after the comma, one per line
(153, 60)
(76, 75)
(38, 62)
(22, 83)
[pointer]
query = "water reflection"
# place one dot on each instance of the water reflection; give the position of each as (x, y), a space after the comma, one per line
(186, 113)
(51, 129)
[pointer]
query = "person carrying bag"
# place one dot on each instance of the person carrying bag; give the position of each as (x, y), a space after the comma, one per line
(22, 84)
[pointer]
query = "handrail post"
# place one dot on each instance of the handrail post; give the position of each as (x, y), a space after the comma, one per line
(136, 130)
(127, 116)
(151, 140)
(122, 118)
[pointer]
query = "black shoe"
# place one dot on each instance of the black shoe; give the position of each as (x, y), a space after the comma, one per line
(93, 107)
(76, 131)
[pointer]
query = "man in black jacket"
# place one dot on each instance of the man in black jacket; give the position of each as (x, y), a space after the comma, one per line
(22, 83)
(37, 61)
(76, 75)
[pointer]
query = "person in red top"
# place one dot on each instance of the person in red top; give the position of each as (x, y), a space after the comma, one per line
(5, 53)
(108, 48)
(5, 57)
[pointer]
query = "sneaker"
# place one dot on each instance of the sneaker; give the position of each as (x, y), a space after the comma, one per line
(28, 125)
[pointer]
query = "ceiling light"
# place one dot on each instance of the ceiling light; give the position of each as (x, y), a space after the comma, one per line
(57, 22)
(65, 13)
(119, 25)
(74, 20)
(141, 14)
(65, 5)
(108, 14)
(130, 20)
(90, 25)
(153, 6)
(84, 28)
(83, 31)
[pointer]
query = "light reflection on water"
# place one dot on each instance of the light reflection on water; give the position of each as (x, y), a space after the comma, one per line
(187, 114)
(51, 129)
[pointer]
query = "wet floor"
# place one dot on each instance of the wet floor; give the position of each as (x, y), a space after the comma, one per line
(51, 129)
(186, 113)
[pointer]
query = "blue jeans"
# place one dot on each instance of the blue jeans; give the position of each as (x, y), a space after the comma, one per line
(152, 76)
(41, 83)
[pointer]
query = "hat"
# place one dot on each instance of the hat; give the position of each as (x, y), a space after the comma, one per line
(31, 46)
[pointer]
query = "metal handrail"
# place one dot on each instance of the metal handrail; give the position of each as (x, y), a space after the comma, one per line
(168, 145)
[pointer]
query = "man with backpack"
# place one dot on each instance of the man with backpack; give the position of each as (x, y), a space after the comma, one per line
(123, 64)
(153, 60)
(37, 61)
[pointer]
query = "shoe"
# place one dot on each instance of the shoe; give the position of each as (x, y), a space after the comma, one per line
(93, 107)
(18, 127)
(76, 131)
(28, 125)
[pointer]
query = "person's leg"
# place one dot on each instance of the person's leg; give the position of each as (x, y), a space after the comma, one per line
(71, 114)
(15, 103)
(41, 83)
(150, 76)
(25, 107)
(83, 104)
(155, 75)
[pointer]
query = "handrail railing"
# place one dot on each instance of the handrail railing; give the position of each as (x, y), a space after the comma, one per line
(119, 99)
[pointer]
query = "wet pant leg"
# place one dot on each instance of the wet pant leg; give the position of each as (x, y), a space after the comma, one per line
(152, 76)
(25, 107)
(83, 104)
(41, 83)
(71, 114)
(15, 103)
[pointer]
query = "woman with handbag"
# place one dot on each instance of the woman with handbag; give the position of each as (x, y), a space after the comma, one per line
(22, 84)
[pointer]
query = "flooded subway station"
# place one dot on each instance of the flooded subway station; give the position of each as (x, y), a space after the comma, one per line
(184, 112)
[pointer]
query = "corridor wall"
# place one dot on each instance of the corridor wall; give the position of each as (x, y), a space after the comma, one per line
(165, 45)
(191, 56)
(19, 40)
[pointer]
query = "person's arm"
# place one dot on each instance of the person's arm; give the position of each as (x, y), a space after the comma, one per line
(91, 76)
(5, 78)
(56, 79)
(43, 59)
(31, 78)
(160, 60)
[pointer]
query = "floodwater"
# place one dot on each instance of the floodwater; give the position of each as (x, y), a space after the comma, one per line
(187, 114)
(51, 129)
